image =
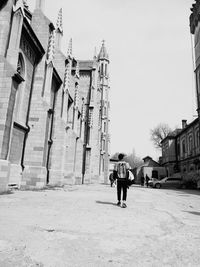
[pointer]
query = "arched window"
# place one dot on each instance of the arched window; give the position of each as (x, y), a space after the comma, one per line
(183, 148)
(106, 69)
(20, 113)
(190, 144)
(105, 111)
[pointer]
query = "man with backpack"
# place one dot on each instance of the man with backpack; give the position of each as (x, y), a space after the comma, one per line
(120, 173)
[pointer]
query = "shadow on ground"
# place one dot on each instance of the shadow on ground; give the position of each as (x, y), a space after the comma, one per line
(9, 192)
(106, 203)
(181, 192)
(188, 192)
(193, 212)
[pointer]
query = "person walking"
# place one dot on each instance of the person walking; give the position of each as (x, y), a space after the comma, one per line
(120, 173)
(142, 180)
(112, 181)
(147, 180)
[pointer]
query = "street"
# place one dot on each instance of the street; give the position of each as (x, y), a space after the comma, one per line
(81, 225)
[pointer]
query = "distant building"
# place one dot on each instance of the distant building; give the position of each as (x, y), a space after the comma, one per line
(54, 108)
(151, 168)
(181, 150)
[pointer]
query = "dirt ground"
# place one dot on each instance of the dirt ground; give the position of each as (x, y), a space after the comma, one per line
(82, 226)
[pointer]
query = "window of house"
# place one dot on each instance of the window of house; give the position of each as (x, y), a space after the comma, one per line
(178, 149)
(183, 147)
(190, 144)
(154, 174)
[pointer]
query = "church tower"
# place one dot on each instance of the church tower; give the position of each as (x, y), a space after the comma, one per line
(103, 60)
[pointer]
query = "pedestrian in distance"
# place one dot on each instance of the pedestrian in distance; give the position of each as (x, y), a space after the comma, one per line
(147, 180)
(120, 173)
(112, 180)
(142, 180)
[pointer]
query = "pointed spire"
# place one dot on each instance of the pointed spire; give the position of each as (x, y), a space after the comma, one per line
(19, 5)
(76, 96)
(65, 82)
(83, 109)
(69, 51)
(51, 47)
(95, 53)
(40, 5)
(77, 70)
(25, 3)
(103, 53)
(59, 23)
(67, 77)
(90, 119)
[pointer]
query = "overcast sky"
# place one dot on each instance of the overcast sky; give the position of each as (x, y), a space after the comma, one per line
(151, 69)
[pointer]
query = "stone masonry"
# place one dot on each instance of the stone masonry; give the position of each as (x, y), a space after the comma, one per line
(54, 108)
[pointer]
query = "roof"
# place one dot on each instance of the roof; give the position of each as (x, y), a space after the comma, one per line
(103, 53)
(178, 132)
(172, 135)
(147, 157)
(188, 126)
(33, 39)
(86, 64)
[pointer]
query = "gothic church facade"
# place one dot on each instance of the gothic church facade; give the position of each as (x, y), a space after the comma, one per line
(54, 108)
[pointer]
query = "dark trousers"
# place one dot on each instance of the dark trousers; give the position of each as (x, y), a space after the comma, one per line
(121, 185)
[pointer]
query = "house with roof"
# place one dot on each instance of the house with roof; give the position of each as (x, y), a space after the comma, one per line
(181, 151)
(151, 168)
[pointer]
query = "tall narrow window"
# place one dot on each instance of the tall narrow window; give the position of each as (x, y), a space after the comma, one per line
(104, 129)
(101, 68)
(105, 111)
(183, 148)
(106, 69)
(190, 144)
(178, 149)
(20, 108)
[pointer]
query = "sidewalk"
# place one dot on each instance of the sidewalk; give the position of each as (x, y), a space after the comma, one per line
(82, 226)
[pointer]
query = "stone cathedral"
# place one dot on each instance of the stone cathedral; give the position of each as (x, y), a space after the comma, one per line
(54, 108)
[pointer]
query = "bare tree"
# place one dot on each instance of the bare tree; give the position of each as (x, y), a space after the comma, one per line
(159, 133)
(133, 160)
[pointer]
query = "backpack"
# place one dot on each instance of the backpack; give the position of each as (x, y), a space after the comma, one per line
(122, 170)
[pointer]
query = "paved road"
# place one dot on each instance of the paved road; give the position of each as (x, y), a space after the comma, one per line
(82, 226)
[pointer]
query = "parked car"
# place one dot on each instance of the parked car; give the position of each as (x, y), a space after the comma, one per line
(167, 182)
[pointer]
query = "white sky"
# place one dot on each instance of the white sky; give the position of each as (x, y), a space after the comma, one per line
(151, 68)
